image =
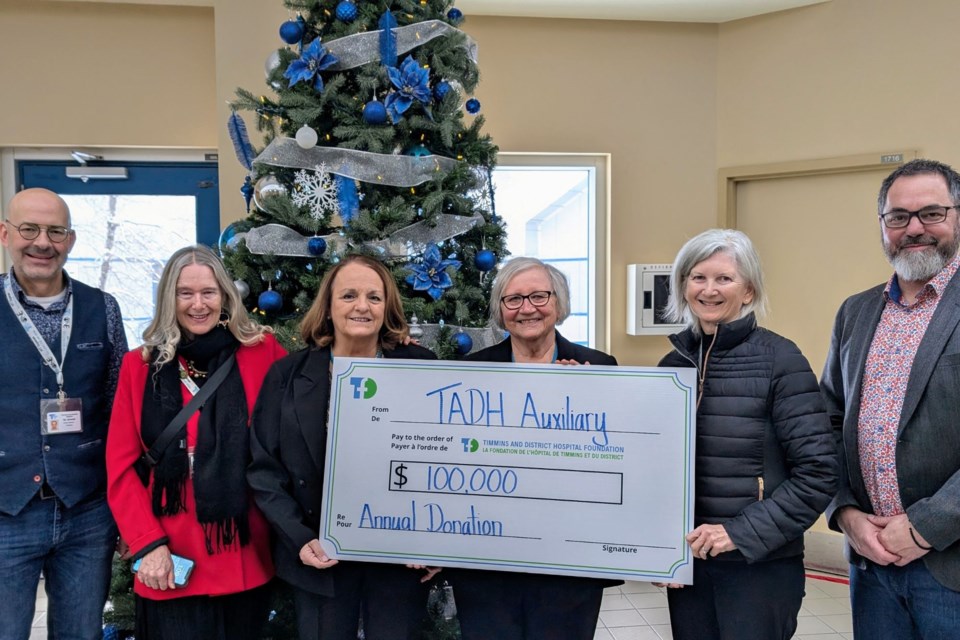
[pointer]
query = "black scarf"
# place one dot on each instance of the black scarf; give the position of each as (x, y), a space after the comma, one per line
(220, 457)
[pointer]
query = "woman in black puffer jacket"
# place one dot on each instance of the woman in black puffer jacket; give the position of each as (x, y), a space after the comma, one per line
(766, 464)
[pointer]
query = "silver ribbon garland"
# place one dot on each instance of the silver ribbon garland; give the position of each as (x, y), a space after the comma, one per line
(375, 168)
(280, 240)
(361, 48)
(413, 239)
(482, 337)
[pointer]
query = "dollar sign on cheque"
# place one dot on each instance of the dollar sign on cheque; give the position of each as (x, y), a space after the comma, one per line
(401, 477)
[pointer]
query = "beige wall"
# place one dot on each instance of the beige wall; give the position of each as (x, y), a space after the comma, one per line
(671, 103)
(106, 75)
(842, 78)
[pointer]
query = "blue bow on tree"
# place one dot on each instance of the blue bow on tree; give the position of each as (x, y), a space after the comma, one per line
(431, 275)
(314, 59)
(412, 82)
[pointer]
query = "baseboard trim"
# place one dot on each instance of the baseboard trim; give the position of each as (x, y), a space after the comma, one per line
(823, 551)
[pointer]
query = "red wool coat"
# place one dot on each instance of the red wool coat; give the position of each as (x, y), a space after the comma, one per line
(230, 571)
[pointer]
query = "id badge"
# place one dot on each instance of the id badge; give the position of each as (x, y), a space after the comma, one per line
(61, 416)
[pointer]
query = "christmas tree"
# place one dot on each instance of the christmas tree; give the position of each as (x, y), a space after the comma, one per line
(373, 144)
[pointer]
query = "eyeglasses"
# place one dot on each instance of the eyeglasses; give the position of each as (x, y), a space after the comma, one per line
(537, 299)
(900, 218)
(30, 231)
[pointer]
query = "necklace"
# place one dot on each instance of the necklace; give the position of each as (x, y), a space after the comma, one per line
(193, 372)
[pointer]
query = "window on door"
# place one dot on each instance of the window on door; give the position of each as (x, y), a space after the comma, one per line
(554, 207)
(128, 227)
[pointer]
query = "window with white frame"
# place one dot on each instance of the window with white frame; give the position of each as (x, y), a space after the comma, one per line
(555, 209)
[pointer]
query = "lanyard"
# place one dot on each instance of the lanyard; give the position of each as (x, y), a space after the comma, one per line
(187, 381)
(66, 327)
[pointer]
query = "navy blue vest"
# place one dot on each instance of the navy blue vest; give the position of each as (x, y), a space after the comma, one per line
(72, 464)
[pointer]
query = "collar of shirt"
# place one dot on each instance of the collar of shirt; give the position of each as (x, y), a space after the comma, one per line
(934, 286)
(22, 296)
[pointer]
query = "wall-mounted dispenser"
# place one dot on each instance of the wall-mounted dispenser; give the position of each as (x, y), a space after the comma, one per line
(648, 288)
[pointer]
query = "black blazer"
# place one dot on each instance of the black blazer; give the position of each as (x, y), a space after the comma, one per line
(288, 439)
(566, 350)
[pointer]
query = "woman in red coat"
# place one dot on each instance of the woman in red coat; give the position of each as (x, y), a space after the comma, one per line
(194, 503)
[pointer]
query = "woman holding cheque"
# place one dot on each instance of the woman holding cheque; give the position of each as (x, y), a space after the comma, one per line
(766, 464)
(357, 313)
(529, 299)
(185, 502)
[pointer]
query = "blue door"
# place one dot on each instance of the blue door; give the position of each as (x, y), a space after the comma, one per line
(129, 218)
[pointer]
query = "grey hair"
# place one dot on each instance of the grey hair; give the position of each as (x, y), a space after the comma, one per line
(163, 334)
(735, 244)
(920, 166)
(506, 273)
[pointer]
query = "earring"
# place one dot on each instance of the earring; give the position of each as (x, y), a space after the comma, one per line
(224, 320)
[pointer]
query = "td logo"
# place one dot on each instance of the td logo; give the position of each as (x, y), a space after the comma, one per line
(469, 445)
(365, 386)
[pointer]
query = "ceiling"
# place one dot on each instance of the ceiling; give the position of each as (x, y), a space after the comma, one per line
(655, 10)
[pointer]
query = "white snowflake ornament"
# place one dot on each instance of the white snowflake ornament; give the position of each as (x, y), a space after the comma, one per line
(318, 190)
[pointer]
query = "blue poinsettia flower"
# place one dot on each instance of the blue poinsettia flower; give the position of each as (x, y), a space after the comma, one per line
(431, 275)
(314, 59)
(412, 82)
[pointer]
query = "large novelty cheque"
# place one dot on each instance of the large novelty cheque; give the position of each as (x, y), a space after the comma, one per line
(572, 470)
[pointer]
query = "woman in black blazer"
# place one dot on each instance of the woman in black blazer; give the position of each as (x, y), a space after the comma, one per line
(357, 313)
(528, 299)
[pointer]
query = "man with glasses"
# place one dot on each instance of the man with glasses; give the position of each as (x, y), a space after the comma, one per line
(892, 388)
(62, 343)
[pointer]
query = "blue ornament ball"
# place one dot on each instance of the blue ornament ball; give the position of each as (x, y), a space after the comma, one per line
(455, 15)
(473, 106)
(374, 112)
(291, 32)
(346, 11)
(485, 260)
(316, 246)
(419, 151)
(462, 343)
(442, 89)
(270, 301)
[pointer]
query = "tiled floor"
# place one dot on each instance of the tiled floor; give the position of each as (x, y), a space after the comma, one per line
(638, 611)
(39, 631)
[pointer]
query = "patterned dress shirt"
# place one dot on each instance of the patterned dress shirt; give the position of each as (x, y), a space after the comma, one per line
(885, 378)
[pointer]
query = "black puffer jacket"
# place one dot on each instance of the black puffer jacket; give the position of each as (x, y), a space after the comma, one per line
(766, 463)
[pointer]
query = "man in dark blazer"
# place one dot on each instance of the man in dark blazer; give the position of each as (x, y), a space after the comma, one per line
(892, 387)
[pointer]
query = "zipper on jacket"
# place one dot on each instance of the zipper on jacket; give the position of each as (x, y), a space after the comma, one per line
(760, 488)
(703, 365)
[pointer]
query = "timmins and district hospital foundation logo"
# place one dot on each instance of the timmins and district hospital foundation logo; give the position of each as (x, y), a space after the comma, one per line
(364, 388)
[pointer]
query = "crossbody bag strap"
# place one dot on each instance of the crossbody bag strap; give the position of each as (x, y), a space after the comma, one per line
(152, 457)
